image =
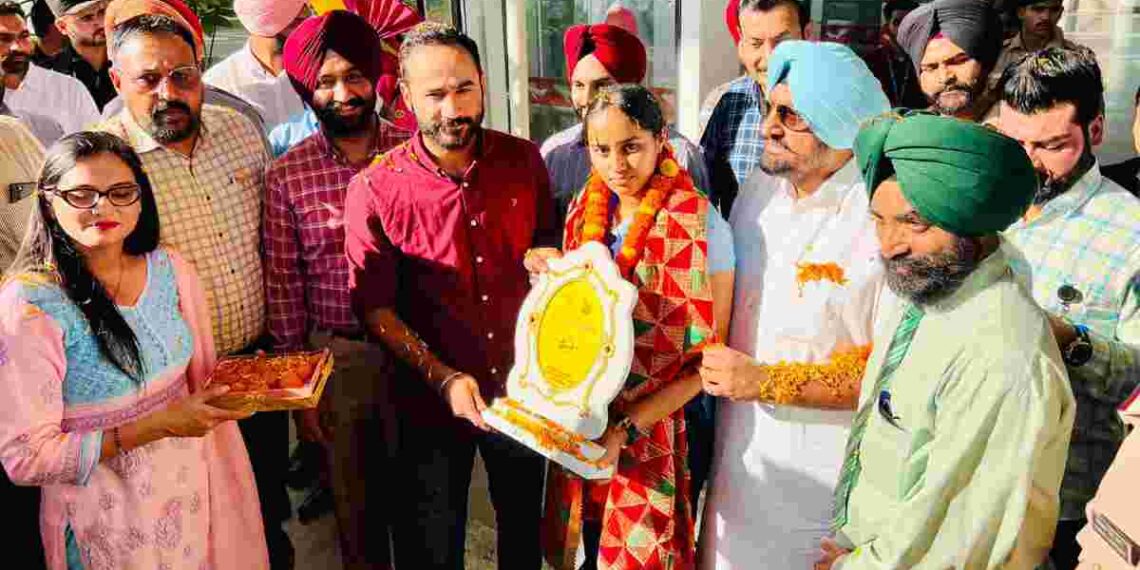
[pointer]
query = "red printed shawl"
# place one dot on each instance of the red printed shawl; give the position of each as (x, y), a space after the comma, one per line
(645, 513)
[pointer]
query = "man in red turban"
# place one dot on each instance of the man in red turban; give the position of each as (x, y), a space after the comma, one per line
(340, 32)
(389, 20)
(599, 55)
(334, 62)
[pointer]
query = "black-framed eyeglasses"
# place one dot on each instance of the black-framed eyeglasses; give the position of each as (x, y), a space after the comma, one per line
(87, 197)
(790, 119)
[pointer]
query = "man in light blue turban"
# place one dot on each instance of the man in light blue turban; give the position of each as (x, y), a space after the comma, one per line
(830, 87)
(809, 276)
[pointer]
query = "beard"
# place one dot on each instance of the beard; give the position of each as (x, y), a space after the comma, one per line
(339, 126)
(956, 97)
(934, 277)
(95, 40)
(453, 134)
(162, 117)
(16, 63)
(1052, 187)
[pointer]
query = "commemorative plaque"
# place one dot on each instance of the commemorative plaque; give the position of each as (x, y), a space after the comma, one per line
(573, 351)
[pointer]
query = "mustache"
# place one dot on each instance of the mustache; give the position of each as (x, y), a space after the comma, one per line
(957, 86)
(15, 57)
(354, 103)
(457, 122)
(165, 107)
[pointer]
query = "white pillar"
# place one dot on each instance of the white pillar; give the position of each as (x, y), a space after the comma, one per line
(706, 58)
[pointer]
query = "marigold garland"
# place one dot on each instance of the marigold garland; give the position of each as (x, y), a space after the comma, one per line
(598, 215)
(811, 272)
(786, 380)
(547, 433)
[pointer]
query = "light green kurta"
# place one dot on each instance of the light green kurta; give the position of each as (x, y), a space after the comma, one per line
(970, 479)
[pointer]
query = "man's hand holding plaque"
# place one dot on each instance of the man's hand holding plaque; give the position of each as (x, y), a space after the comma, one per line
(573, 351)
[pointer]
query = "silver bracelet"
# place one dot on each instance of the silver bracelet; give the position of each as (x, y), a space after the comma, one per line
(446, 381)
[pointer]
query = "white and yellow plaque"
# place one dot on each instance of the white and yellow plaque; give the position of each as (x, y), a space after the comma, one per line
(573, 350)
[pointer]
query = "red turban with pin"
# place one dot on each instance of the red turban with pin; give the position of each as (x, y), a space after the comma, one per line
(620, 52)
(341, 31)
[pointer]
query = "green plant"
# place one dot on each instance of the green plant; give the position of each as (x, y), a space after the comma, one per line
(214, 14)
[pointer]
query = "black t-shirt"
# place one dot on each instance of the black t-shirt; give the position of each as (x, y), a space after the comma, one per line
(98, 82)
(1124, 174)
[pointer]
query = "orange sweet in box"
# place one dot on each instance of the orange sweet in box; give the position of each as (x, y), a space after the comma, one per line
(266, 372)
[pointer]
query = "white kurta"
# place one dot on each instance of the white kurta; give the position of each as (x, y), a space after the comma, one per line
(775, 467)
(272, 95)
(61, 97)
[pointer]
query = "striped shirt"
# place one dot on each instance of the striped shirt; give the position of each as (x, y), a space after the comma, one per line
(209, 207)
(1089, 239)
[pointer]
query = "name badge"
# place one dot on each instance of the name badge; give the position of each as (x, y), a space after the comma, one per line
(19, 190)
(1114, 537)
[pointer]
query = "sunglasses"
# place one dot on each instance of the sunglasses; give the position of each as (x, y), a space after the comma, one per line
(790, 119)
(87, 197)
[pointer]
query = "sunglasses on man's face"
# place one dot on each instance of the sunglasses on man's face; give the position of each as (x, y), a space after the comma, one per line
(790, 119)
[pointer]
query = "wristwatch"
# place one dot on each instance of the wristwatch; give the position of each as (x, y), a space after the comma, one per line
(1080, 350)
(631, 431)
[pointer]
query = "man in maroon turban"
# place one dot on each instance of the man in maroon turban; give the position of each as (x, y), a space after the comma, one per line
(347, 35)
(334, 62)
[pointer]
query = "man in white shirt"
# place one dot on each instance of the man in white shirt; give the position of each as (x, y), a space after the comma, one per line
(33, 89)
(810, 279)
(256, 72)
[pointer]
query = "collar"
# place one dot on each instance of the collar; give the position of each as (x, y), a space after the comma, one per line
(988, 272)
(831, 194)
(1058, 40)
(76, 59)
(326, 147)
(421, 156)
(34, 76)
(142, 142)
(250, 65)
(1071, 201)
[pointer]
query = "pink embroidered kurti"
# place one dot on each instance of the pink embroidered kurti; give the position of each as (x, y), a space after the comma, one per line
(177, 503)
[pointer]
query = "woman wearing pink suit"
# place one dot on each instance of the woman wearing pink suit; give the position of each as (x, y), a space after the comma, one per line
(104, 348)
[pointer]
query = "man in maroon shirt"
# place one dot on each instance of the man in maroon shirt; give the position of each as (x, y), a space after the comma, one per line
(436, 234)
(334, 62)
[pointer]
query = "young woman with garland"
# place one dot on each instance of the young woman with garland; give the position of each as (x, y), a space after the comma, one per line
(676, 248)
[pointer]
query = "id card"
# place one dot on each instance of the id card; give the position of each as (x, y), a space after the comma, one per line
(1114, 537)
(19, 190)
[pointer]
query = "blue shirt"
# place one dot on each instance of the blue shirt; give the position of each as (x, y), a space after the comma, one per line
(298, 128)
(733, 141)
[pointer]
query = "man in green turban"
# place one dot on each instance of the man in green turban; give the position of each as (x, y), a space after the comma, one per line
(957, 450)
